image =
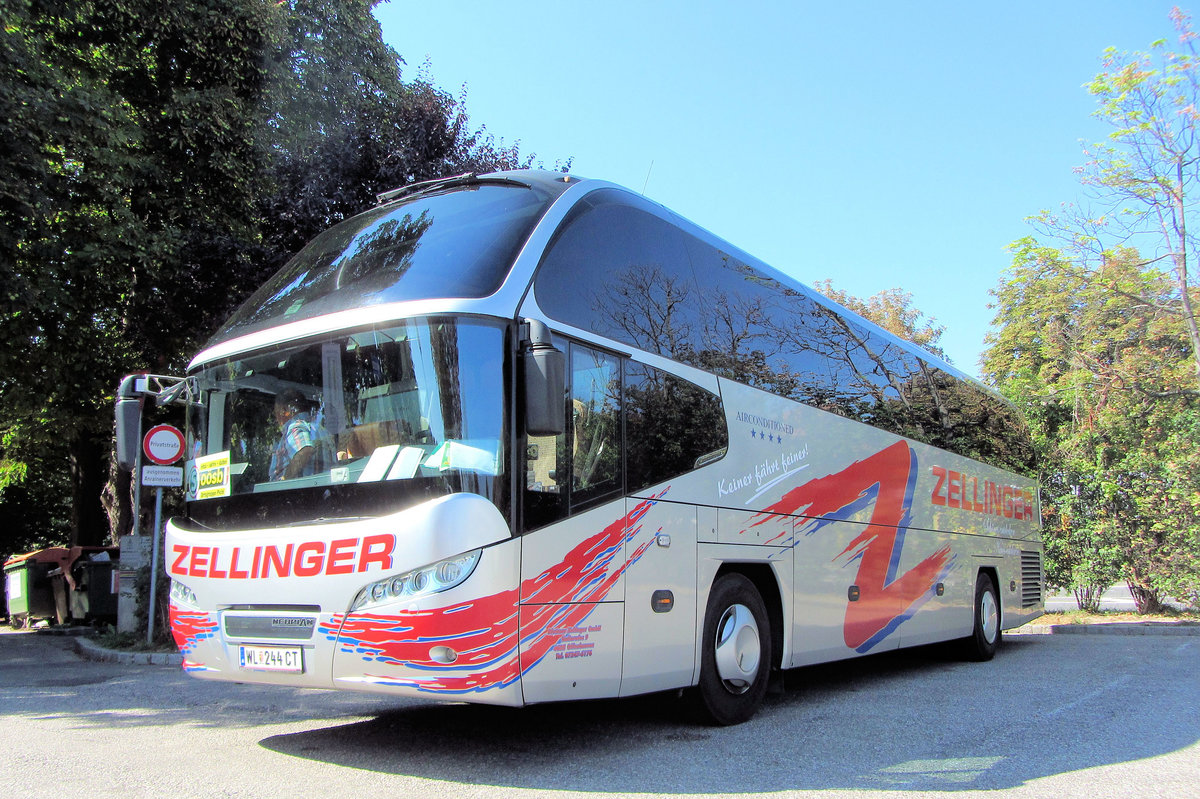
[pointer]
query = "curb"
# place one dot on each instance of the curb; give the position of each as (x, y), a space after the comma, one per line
(90, 650)
(1109, 628)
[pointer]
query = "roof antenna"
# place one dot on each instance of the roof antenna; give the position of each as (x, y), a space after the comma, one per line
(648, 171)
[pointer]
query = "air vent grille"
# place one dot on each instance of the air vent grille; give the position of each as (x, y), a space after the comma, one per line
(1031, 579)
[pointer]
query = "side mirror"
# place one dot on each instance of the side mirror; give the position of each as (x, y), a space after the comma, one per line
(545, 383)
(129, 423)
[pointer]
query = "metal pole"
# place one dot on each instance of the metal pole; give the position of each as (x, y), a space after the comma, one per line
(154, 565)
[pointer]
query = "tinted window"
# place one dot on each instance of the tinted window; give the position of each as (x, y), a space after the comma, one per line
(454, 244)
(629, 426)
(751, 325)
(584, 465)
(672, 426)
(623, 273)
(961, 417)
(627, 270)
(594, 410)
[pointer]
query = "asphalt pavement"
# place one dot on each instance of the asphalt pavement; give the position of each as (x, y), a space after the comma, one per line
(1052, 716)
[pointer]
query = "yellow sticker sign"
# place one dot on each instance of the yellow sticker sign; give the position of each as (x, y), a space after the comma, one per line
(212, 476)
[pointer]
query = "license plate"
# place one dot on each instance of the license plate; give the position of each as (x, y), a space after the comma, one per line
(273, 658)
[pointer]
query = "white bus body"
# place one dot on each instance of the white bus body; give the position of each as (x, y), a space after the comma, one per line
(714, 509)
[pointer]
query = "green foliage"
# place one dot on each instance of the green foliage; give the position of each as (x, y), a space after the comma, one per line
(1100, 345)
(1100, 365)
(1140, 183)
(36, 511)
(160, 162)
(138, 163)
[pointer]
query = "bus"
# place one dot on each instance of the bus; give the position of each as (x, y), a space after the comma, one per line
(526, 437)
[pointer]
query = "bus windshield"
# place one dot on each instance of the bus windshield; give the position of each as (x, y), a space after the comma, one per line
(445, 244)
(357, 424)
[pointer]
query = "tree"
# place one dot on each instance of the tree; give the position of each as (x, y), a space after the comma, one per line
(160, 162)
(1100, 368)
(1097, 339)
(133, 123)
(1141, 183)
(340, 126)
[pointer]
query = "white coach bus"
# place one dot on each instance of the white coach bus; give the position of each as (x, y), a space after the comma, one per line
(525, 437)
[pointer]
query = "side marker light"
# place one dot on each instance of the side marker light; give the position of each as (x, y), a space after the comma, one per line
(662, 600)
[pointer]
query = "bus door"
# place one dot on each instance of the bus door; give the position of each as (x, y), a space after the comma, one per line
(573, 560)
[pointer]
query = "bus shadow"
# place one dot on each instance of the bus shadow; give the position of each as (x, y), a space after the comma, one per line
(911, 720)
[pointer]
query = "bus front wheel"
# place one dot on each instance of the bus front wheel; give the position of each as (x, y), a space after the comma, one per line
(736, 652)
(981, 644)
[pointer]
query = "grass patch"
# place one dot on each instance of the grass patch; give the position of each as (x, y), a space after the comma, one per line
(109, 638)
(1171, 616)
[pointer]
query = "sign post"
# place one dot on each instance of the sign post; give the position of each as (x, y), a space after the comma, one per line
(163, 445)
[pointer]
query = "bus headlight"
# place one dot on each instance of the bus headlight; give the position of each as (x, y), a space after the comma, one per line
(432, 579)
(182, 595)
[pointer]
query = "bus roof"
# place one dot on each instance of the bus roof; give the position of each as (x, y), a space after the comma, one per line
(386, 263)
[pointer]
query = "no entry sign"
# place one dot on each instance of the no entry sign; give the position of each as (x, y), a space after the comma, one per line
(163, 444)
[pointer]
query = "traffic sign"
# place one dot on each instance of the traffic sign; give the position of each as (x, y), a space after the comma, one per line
(162, 476)
(163, 444)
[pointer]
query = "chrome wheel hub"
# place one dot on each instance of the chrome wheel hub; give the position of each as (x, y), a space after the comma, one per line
(989, 616)
(738, 649)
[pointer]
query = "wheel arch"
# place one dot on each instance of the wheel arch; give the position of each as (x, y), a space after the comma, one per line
(994, 575)
(767, 585)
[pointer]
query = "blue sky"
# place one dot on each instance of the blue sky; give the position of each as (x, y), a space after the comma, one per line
(877, 144)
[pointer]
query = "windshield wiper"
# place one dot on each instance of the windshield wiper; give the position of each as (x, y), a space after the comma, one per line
(465, 179)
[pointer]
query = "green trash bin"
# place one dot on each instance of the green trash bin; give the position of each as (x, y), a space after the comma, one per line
(27, 587)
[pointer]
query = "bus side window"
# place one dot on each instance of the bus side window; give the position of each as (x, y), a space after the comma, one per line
(566, 473)
(671, 426)
(595, 425)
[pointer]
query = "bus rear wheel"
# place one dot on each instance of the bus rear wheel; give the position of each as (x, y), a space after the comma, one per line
(981, 644)
(736, 653)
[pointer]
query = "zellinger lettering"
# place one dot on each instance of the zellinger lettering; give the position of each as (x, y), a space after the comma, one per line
(308, 559)
(960, 490)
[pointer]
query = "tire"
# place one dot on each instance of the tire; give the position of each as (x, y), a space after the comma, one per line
(985, 635)
(735, 657)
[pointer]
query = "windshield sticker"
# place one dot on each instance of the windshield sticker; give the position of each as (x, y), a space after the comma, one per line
(212, 476)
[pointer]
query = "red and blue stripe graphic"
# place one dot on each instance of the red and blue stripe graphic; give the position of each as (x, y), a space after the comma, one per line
(189, 629)
(885, 482)
(494, 647)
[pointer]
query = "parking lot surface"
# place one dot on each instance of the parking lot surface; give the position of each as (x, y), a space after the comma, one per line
(1051, 716)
